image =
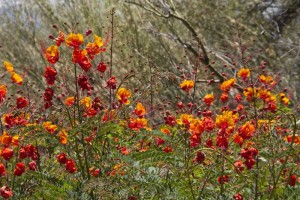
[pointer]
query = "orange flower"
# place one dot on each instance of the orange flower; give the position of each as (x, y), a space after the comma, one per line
(196, 127)
(8, 66)
(63, 136)
(227, 85)
(263, 94)
(244, 73)
(69, 101)
(187, 85)
(5, 139)
(50, 127)
(109, 115)
(246, 131)
(224, 97)
(80, 57)
(94, 48)
(137, 124)
(52, 54)
(2, 93)
(208, 99)
(139, 110)
(165, 131)
(238, 139)
(123, 94)
(74, 40)
(16, 78)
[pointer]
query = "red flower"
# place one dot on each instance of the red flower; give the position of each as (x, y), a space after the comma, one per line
(94, 172)
(22, 153)
(83, 83)
(31, 151)
(2, 170)
(102, 67)
(96, 105)
(200, 157)
(168, 149)
(112, 82)
(249, 163)
(62, 158)
(32, 165)
(238, 166)
(81, 58)
(224, 97)
(50, 75)
(7, 153)
(208, 123)
(222, 142)
(70, 166)
(170, 120)
(180, 105)
(60, 38)
(47, 96)
(249, 152)
(238, 98)
(2, 93)
(223, 179)
(6, 192)
(238, 196)
(21, 102)
(159, 141)
(20, 169)
(292, 180)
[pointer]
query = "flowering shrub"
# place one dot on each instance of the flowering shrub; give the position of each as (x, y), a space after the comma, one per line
(240, 142)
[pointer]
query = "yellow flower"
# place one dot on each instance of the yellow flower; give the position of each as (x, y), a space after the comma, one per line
(208, 99)
(8, 66)
(74, 40)
(139, 110)
(227, 85)
(187, 85)
(51, 128)
(86, 102)
(185, 119)
(226, 120)
(244, 73)
(123, 94)
(52, 54)
(266, 79)
(98, 40)
(16, 78)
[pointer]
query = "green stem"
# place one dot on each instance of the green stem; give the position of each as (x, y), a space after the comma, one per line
(286, 158)
(85, 156)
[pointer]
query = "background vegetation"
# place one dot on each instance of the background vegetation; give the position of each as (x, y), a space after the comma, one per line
(153, 46)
